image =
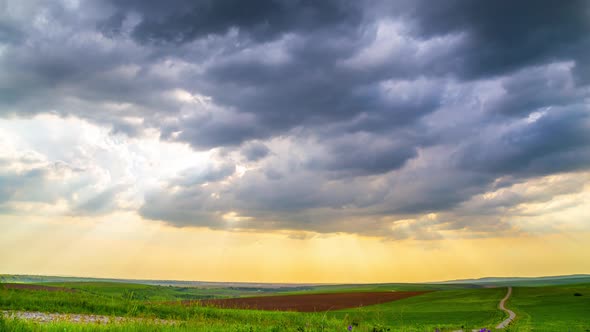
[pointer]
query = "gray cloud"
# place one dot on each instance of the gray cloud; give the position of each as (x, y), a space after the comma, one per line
(362, 154)
(17, 186)
(531, 33)
(191, 208)
(198, 175)
(10, 34)
(255, 151)
(538, 88)
(507, 200)
(558, 141)
(373, 111)
(100, 203)
(182, 21)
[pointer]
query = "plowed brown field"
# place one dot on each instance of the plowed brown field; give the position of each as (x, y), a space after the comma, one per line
(36, 287)
(308, 302)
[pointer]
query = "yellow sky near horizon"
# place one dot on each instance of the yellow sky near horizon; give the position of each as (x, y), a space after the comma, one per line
(124, 246)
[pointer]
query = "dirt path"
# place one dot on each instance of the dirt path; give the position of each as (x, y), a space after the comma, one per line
(511, 314)
(45, 317)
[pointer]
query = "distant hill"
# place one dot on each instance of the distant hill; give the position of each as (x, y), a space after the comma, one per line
(524, 281)
(481, 282)
(17, 278)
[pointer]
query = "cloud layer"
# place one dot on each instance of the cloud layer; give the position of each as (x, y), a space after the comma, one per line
(383, 118)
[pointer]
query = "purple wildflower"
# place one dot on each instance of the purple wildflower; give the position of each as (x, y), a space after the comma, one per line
(350, 327)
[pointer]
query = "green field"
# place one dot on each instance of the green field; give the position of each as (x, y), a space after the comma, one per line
(381, 288)
(552, 308)
(452, 309)
(447, 307)
(154, 293)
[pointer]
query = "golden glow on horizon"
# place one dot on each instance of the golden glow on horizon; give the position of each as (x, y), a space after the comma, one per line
(127, 247)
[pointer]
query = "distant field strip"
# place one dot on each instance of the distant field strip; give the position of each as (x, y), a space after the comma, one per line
(309, 302)
(37, 287)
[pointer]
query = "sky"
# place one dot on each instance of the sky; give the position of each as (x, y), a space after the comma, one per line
(295, 140)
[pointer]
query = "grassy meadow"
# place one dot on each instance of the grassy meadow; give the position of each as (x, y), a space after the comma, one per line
(448, 307)
(551, 308)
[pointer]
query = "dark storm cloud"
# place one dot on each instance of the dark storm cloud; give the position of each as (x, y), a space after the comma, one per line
(112, 26)
(362, 155)
(221, 129)
(373, 110)
(534, 89)
(181, 21)
(291, 77)
(191, 208)
(504, 36)
(432, 189)
(556, 142)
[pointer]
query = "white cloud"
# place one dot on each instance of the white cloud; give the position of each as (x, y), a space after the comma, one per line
(79, 163)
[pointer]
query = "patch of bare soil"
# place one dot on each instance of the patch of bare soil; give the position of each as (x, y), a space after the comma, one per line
(308, 302)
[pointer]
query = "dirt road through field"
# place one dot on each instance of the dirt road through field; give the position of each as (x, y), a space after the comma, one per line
(502, 306)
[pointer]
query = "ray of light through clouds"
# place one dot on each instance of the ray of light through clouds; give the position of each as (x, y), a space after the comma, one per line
(301, 141)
